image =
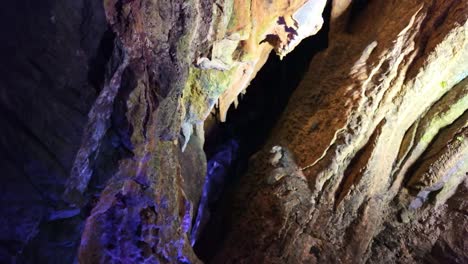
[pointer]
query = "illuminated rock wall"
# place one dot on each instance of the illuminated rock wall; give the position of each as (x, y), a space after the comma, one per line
(104, 107)
(179, 59)
(373, 147)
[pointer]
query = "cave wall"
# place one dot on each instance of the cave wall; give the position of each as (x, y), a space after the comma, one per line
(179, 59)
(104, 106)
(105, 103)
(370, 157)
(54, 56)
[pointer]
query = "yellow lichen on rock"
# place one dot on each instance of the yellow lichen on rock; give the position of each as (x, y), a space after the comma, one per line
(254, 30)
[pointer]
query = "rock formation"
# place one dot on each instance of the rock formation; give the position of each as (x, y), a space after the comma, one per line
(378, 127)
(368, 163)
(178, 59)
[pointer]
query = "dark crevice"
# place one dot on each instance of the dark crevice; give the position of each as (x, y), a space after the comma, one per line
(116, 144)
(98, 64)
(353, 173)
(432, 150)
(250, 126)
(357, 8)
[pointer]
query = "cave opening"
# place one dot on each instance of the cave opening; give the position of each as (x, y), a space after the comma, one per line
(230, 144)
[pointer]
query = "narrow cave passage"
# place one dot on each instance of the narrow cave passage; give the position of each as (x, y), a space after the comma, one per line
(246, 129)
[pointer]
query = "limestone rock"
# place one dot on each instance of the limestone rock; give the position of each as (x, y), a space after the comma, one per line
(378, 126)
(107, 103)
(178, 59)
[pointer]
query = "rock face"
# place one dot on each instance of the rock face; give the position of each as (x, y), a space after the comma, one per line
(54, 55)
(178, 59)
(378, 132)
(367, 164)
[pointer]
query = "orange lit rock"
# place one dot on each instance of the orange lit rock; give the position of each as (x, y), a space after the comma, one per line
(378, 127)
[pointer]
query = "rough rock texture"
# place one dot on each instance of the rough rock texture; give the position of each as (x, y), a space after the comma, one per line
(178, 59)
(376, 137)
(105, 103)
(64, 82)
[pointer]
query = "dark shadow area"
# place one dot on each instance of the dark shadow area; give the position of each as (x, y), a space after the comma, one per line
(250, 126)
(54, 54)
(356, 9)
